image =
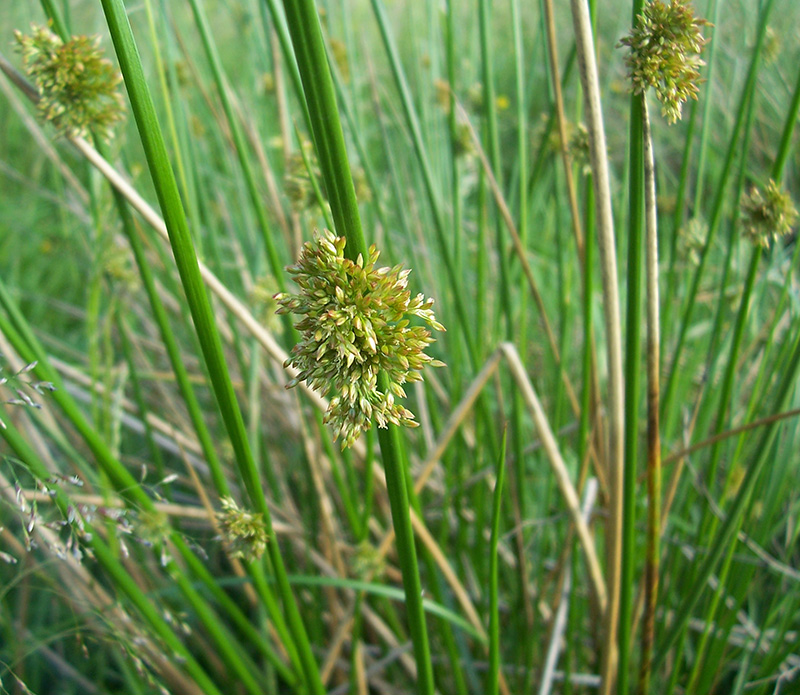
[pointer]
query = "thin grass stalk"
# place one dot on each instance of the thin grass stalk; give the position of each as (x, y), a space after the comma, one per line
(633, 365)
(55, 17)
(652, 552)
(691, 146)
(202, 313)
(493, 675)
(718, 205)
(493, 147)
(303, 22)
(608, 263)
(355, 132)
(456, 202)
(708, 100)
(433, 195)
(588, 406)
(561, 120)
(400, 202)
(518, 480)
(158, 64)
(121, 579)
(705, 395)
(724, 538)
(240, 146)
(136, 386)
(727, 383)
(28, 348)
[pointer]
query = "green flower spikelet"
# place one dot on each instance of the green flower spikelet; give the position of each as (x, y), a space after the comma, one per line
(665, 54)
(245, 532)
(767, 214)
(353, 327)
(77, 85)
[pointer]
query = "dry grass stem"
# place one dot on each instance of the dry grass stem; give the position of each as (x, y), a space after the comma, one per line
(587, 68)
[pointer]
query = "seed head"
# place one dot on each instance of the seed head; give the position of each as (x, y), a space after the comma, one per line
(354, 326)
(77, 85)
(244, 531)
(767, 214)
(665, 53)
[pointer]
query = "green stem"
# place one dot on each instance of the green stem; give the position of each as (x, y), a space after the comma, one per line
(202, 313)
(717, 207)
(303, 22)
(633, 359)
(493, 677)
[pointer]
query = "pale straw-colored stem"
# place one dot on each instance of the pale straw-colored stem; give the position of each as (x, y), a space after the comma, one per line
(559, 469)
(560, 622)
(587, 65)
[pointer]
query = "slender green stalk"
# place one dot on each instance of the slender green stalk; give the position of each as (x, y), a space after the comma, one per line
(242, 150)
(717, 207)
(430, 188)
(633, 368)
(653, 411)
(690, 147)
(202, 314)
(306, 34)
(121, 578)
(493, 676)
(721, 543)
(138, 395)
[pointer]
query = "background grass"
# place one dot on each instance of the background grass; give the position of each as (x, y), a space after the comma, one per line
(64, 262)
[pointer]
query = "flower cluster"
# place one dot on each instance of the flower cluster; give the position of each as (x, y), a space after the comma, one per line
(245, 532)
(353, 327)
(77, 85)
(665, 53)
(767, 214)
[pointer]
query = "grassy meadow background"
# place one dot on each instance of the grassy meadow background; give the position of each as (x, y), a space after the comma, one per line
(126, 492)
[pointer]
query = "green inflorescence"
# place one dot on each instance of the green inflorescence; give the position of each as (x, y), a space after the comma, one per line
(245, 532)
(354, 325)
(77, 85)
(665, 47)
(767, 214)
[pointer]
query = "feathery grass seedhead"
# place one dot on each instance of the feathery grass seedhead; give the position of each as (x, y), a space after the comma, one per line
(77, 85)
(354, 326)
(245, 532)
(767, 214)
(665, 54)
(20, 385)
